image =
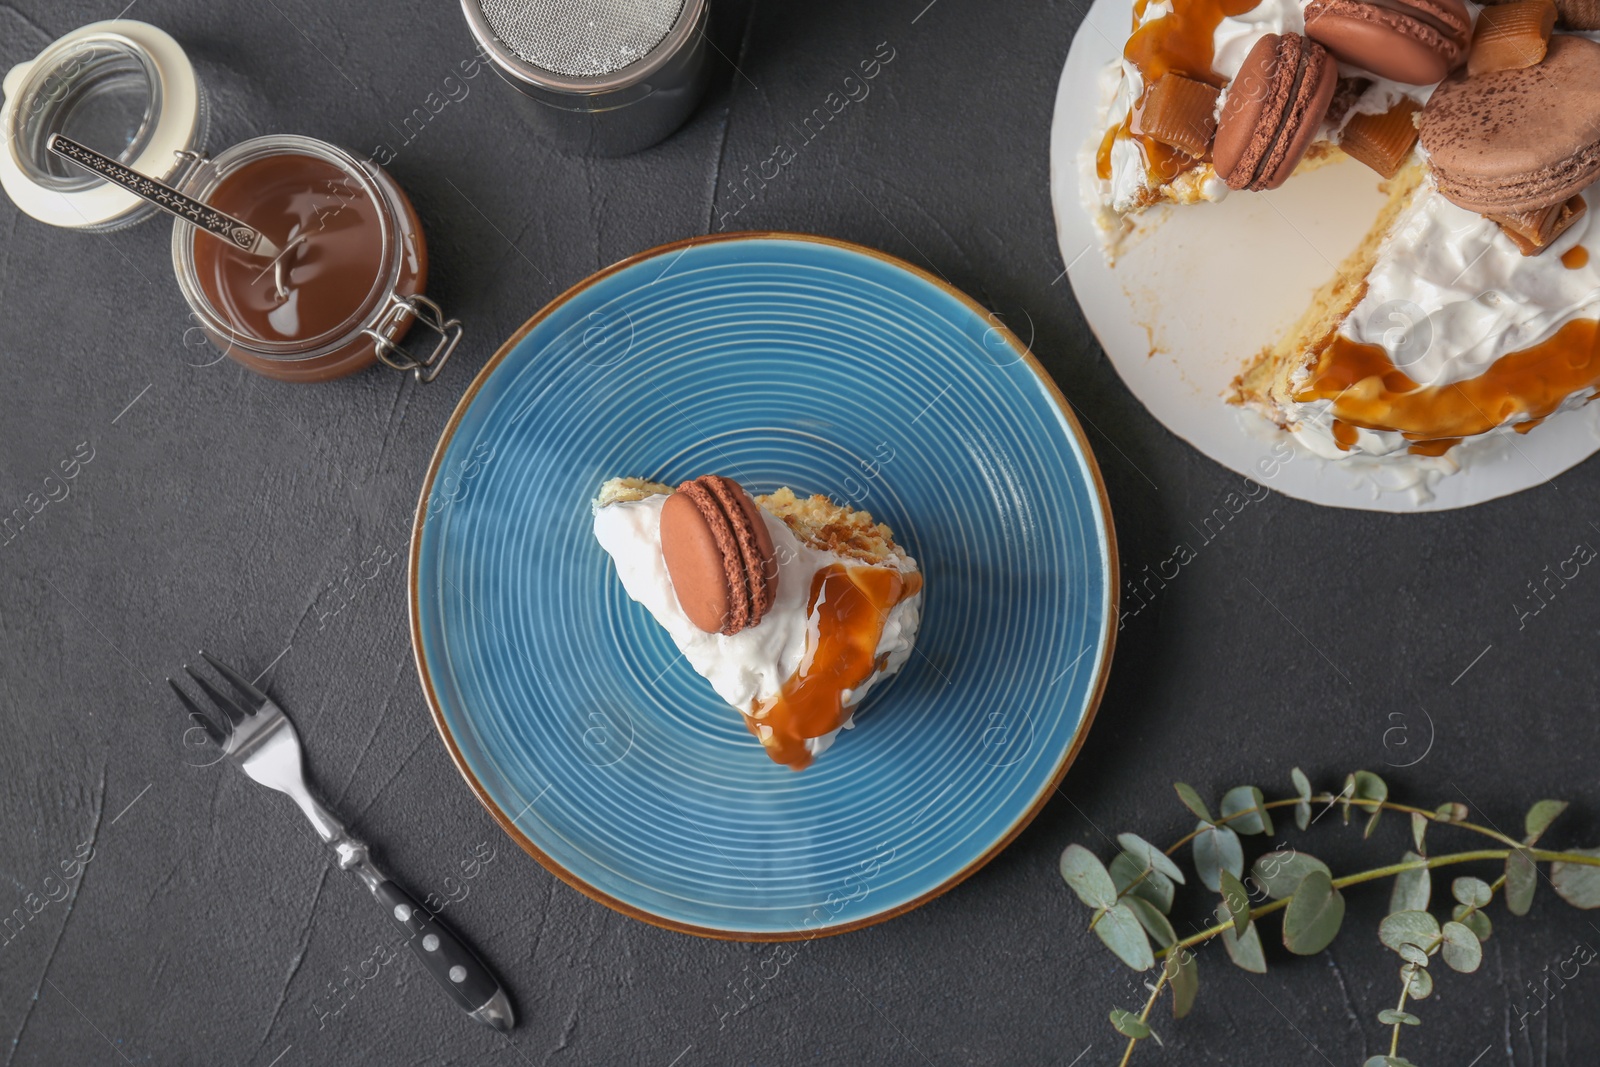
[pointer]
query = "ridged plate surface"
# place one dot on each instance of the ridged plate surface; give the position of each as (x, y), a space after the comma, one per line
(776, 360)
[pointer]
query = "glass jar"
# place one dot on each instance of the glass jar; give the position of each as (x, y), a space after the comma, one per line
(341, 300)
(347, 286)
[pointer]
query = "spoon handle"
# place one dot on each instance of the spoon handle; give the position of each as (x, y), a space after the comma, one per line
(239, 234)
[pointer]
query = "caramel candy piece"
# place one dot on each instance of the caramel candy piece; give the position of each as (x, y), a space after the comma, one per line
(1383, 142)
(1533, 231)
(1511, 36)
(1179, 112)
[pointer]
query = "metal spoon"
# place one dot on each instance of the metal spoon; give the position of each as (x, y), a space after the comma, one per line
(240, 235)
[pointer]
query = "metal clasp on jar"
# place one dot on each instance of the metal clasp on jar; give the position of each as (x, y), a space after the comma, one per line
(416, 308)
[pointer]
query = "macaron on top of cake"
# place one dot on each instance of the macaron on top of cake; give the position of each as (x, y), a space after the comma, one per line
(1416, 42)
(1579, 14)
(1272, 110)
(1512, 141)
(719, 554)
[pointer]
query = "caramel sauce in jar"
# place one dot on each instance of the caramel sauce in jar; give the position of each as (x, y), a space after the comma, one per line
(847, 611)
(351, 245)
(1367, 390)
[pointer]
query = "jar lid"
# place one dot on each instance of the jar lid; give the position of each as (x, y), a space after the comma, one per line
(121, 87)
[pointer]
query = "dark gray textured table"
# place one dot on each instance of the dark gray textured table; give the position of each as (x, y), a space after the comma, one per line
(223, 509)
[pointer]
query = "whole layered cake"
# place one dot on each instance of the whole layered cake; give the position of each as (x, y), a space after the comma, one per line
(792, 608)
(1470, 307)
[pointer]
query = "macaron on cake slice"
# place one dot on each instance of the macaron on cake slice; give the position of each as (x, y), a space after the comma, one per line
(1416, 42)
(792, 608)
(1271, 112)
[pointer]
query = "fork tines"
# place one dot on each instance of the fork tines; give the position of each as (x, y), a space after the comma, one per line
(234, 712)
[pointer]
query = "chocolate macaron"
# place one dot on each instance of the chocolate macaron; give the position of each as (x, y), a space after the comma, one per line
(1416, 42)
(1578, 14)
(1271, 113)
(719, 554)
(1513, 141)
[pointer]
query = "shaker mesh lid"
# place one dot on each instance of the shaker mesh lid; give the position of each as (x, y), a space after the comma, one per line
(581, 38)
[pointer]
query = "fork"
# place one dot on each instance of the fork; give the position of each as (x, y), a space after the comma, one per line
(260, 738)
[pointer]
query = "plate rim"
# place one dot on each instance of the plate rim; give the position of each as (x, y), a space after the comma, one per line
(1102, 666)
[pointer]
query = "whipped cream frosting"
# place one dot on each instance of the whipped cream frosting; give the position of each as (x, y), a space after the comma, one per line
(1448, 295)
(749, 668)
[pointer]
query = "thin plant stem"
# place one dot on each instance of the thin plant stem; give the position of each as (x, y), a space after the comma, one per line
(1364, 805)
(1144, 1016)
(1405, 987)
(1539, 855)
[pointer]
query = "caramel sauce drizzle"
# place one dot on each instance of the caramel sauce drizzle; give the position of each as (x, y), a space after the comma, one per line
(1575, 258)
(846, 616)
(1367, 390)
(1179, 42)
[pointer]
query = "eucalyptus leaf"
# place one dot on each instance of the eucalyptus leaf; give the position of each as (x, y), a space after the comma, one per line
(1539, 818)
(1243, 949)
(1461, 949)
(1412, 889)
(1148, 855)
(1419, 983)
(1192, 801)
(1087, 877)
(1280, 872)
(1245, 810)
(1217, 849)
(1133, 878)
(1419, 830)
(1451, 812)
(1471, 891)
(1312, 919)
(1302, 788)
(1473, 920)
(1236, 899)
(1409, 928)
(1128, 1024)
(1184, 976)
(1154, 922)
(1522, 878)
(1414, 955)
(1390, 1017)
(1119, 928)
(1576, 883)
(1369, 791)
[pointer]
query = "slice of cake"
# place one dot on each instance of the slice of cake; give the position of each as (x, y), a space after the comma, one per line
(1446, 324)
(792, 608)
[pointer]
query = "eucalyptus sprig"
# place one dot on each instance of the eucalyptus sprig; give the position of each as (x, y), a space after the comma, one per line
(1133, 895)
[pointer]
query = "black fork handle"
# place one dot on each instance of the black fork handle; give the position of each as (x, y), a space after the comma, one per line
(446, 957)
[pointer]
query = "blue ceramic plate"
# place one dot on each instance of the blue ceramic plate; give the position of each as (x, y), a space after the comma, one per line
(778, 360)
